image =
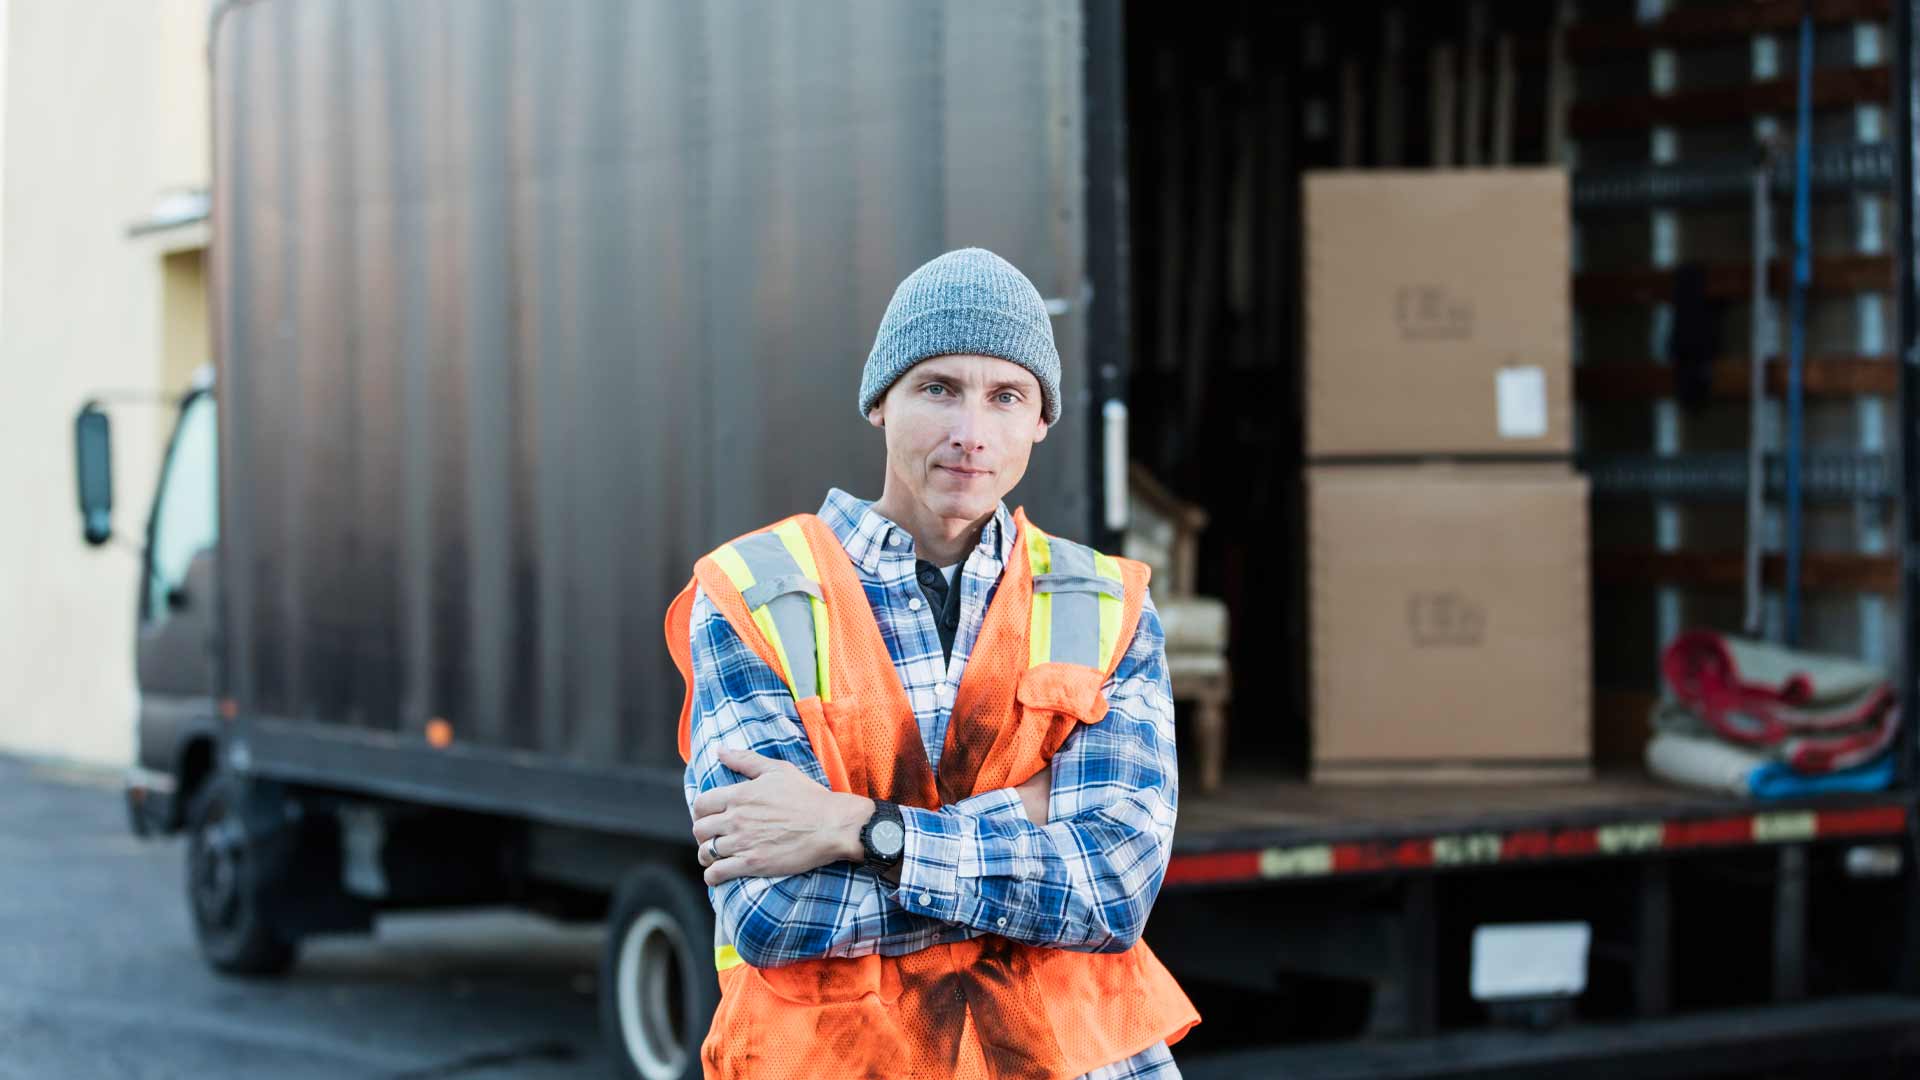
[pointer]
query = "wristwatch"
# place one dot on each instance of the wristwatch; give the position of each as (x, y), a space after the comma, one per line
(884, 836)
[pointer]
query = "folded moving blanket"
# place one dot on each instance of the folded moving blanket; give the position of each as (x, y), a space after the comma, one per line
(1815, 714)
(1704, 761)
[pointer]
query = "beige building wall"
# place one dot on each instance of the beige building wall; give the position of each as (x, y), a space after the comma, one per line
(103, 108)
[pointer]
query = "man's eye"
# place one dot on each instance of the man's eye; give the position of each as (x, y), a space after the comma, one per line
(1009, 397)
(936, 388)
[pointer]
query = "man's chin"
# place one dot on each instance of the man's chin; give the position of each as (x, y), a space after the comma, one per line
(970, 505)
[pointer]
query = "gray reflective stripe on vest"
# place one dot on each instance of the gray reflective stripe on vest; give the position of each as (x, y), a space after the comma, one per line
(791, 606)
(1059, 583)
(1076, 611)
(764, 590)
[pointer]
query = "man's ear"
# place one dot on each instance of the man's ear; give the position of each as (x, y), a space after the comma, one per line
(876, 416)
(1040, 431)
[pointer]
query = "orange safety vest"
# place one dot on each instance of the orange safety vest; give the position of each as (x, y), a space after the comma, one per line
(988, 1007)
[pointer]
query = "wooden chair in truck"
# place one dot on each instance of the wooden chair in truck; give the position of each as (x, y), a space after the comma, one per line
(1163, 531)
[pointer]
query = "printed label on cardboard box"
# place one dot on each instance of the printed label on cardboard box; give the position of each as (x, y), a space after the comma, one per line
(1432, 313)
(1444, 618)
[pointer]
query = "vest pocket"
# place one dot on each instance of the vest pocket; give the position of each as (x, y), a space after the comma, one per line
(1055, 697)
(1109, 1006)
(831, 981)
(1070, 689)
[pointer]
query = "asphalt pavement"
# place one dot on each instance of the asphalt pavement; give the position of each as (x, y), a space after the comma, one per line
(100, 977)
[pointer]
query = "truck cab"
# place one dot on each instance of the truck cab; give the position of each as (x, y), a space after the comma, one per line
(177, 718)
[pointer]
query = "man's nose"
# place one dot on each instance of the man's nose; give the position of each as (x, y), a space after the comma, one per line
(968, 434)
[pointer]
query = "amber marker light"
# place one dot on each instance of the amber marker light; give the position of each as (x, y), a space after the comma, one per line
(439, 733)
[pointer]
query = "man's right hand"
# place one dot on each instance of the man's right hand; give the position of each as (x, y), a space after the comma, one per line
(1034, 793)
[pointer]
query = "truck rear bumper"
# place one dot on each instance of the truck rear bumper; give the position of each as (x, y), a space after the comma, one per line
(1877, 1028)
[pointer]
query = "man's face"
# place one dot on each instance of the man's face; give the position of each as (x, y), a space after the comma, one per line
(959, 431)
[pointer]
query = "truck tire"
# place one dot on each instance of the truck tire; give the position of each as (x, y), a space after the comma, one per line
(658, 988)
(229, 877)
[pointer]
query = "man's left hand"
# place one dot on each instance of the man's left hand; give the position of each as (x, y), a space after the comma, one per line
(777, 822)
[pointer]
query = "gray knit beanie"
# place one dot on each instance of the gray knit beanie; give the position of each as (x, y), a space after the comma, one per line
(966, 301)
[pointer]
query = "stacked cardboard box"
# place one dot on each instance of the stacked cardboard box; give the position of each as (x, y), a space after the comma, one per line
(1447, 532)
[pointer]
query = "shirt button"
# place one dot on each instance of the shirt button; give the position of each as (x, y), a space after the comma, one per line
(1001, 921)
(913, 604)
(926, 898)
(896, 539)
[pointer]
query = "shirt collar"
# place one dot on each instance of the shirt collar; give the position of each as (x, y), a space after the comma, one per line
(866, 534)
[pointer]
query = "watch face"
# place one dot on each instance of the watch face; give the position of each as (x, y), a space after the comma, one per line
(888, 838)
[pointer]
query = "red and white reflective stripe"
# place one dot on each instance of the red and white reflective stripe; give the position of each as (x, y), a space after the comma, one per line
(1532, 845)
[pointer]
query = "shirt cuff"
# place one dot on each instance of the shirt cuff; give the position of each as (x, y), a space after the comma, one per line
(932, 877)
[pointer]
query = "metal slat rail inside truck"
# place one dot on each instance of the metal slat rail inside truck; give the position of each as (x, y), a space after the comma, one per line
(521, 307)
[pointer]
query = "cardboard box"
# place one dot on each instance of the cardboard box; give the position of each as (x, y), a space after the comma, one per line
(1438, 313)
(1449, 622)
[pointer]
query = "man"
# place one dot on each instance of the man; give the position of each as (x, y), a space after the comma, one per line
(930, 748)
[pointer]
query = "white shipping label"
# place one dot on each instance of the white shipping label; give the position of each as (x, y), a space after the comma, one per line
(1521, 396)
(1530, 960)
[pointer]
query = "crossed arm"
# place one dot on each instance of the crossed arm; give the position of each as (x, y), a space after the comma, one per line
(1071, 860)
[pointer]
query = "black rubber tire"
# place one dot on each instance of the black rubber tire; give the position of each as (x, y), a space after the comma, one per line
(658, 988)
(232, 918)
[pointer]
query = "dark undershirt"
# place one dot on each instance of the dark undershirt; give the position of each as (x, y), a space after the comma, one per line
(943, 599)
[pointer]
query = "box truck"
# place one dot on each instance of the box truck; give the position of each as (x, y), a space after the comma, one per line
(519, 308)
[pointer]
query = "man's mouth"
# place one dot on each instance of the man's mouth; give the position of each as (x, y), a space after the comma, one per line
(960, 470)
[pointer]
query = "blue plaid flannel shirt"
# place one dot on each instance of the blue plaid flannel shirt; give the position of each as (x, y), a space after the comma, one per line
(1084, 881)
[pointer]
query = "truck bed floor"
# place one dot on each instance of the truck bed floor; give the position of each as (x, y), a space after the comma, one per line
(1255, 806)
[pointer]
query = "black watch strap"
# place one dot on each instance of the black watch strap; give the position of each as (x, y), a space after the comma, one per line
(883, 837)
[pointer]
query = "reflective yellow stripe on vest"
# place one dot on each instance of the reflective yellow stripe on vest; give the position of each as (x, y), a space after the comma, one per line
(1077, 603)
(725, 956)
(776, 576)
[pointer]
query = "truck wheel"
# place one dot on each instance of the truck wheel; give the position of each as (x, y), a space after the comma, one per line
(228, 878)
(658, 988)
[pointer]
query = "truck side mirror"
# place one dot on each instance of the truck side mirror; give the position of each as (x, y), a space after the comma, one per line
(93, 466)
